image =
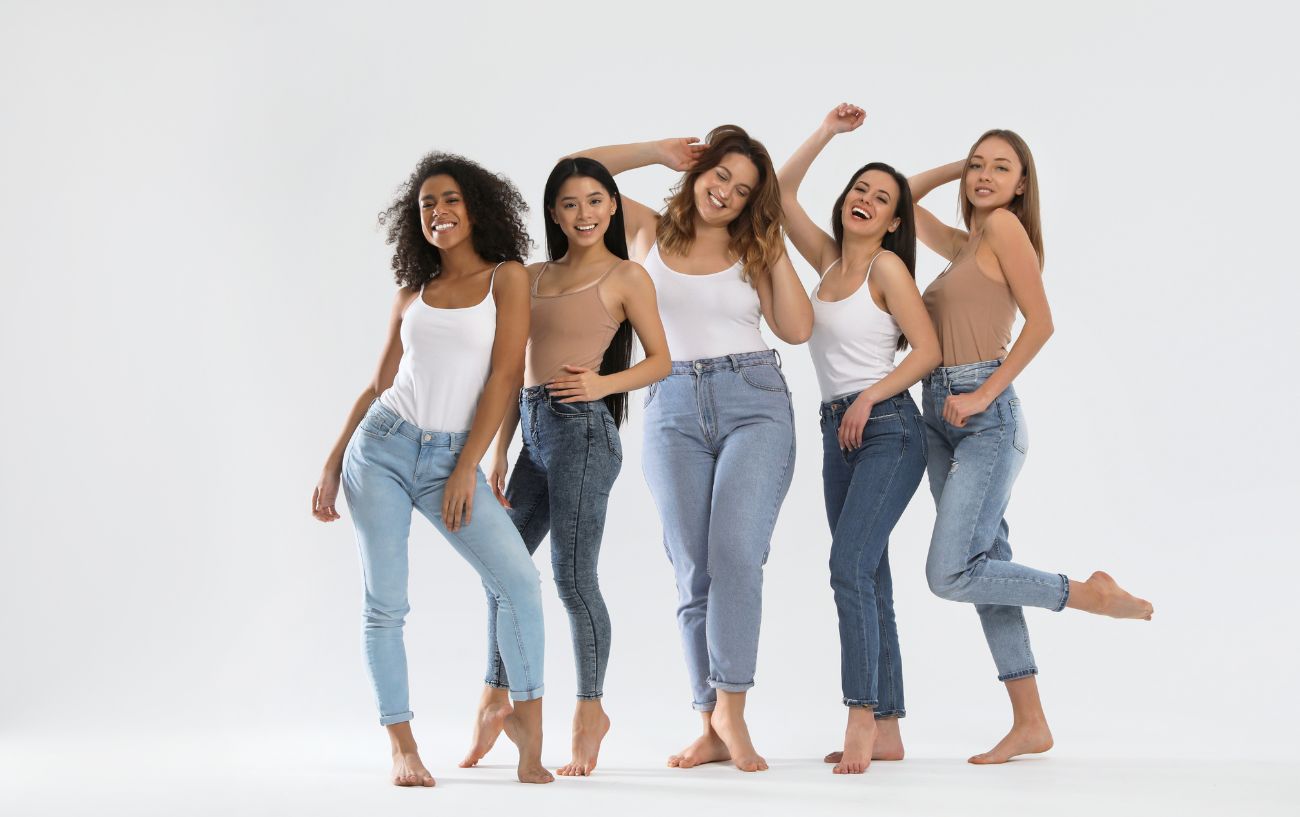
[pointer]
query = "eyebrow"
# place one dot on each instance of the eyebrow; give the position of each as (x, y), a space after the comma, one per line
(995, 158)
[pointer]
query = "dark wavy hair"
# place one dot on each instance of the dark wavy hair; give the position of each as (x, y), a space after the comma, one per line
(618, 356)
(496, 214)
(902, 241)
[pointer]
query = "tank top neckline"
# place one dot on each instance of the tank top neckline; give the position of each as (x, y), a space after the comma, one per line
(491, 282)
(655, 249)
(583, 288)
(817, 290)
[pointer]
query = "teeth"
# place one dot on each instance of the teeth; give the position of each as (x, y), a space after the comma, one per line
(717, 202)
(587, 228)
(860, 213)
(443, 227)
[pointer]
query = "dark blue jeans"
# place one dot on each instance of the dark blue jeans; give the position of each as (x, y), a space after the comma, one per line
(867, 490)
(561, 482)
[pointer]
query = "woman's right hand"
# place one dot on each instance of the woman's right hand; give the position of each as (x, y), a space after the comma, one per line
(844, 118)
(680, 154)
(497, 478)
(325, 495)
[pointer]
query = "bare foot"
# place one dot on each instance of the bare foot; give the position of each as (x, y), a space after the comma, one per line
(707, 748)
(590, 723)
(1023, 739)
(408, 770)
(491, 717)
(1102, 595)
(733, 731)
(888, 745)
(524, 728)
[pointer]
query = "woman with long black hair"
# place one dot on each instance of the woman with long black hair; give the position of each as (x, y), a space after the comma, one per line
(586, 302)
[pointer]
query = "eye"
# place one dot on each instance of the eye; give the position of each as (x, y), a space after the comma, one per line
(595, 201)
(744, 191)
(568, 205)
(1002, 169)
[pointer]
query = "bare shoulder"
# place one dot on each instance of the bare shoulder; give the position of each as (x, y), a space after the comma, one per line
(404, 298)
(890, 272)
(629, 272)
(510, 274)
(1002, 225)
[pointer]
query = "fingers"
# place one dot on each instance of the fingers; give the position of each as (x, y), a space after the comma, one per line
(315, 496)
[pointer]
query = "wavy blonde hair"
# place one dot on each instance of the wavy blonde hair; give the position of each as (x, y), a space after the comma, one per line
(758, 233)
(1025, 205)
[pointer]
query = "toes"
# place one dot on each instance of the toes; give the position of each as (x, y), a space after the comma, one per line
(833, 757)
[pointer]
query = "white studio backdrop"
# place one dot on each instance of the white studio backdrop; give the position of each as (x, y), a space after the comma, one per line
(195, 290)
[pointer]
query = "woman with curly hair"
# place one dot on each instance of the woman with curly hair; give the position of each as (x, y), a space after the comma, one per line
(452, 362)
(976, 425)
(586, 302)
(719, 432)
(866, 308)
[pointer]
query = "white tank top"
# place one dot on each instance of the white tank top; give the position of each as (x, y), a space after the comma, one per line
(706, 315)
(853, 341)
(446, 357)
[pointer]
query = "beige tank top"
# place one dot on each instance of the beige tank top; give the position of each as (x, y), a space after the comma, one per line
(971, 313)
(574, 328)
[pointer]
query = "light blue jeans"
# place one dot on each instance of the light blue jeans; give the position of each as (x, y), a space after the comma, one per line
(971, 471)
(719, 451)
(391, 466)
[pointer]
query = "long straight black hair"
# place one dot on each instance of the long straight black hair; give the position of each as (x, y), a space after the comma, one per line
(618, 356)
(902, 241)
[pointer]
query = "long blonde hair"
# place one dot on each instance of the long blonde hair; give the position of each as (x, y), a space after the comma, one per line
(758, 233)
(1024, 205)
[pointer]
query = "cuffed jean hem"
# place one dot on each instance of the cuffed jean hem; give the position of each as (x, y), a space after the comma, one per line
(1065, 593)
(893, 713)
(1024, 673)
(527, 694)
(400, 717)
(707, 706)
(588, 696)
(725, 687)
(855, 702)
(496, 684)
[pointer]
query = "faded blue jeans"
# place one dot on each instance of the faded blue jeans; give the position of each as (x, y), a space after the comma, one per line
(390, 467)
(971, 472)
(718, 457)
(867, 490)
(561, 482)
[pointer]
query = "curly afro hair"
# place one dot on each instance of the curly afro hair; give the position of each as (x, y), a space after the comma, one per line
(494, 205)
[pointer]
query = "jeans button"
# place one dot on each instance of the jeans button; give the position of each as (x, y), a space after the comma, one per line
(428, 437)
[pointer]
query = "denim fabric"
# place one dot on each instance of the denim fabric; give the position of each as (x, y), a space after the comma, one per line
(391, 466)
(560, 484)
(867, 490)
(971, 471)
(719, 451)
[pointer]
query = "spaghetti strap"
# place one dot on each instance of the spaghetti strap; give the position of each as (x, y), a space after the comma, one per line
(872, 263)
(830, 266)
(538, 279)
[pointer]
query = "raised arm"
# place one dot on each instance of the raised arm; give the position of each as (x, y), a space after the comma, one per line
(325, 496)
(946, 241)
(903, 302)
(1006, 236)
(640, 221)
(784, 303)
(815, 245)
(506, 376)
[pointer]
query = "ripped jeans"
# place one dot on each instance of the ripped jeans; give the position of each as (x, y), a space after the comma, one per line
(971, 472)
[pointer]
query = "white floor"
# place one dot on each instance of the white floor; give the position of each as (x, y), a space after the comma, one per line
(195, 777)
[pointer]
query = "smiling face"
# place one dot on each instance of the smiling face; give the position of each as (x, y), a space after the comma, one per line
(583, 209)
(722, 191)
(871, 205)
(444, 218)
(994, 174)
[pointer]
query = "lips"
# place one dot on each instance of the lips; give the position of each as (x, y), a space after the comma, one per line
(861, 214)
(717, 202)
(443, 226)
(584, 228)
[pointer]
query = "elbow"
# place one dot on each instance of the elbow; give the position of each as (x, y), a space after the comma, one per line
(663, 367)
(933, 357)
(796, 335)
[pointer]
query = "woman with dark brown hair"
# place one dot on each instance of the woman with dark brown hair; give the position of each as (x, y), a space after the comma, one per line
(975, 424)
(719, 433)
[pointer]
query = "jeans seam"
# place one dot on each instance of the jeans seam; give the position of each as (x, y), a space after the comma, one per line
(514, 611)
(573, 562)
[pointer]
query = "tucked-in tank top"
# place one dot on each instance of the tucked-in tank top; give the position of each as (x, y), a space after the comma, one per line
(706, 316)
(972, 314)
(446, 357)
(853, 341)
(572, 328)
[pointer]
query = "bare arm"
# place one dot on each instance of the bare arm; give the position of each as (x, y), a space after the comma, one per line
(640, 221)
(784, 303)
(500, 453)
(815, 245)
(903, 302)
(946, 241)
(506, 376)
(1006, 236)
(326, 493)
(640, 306)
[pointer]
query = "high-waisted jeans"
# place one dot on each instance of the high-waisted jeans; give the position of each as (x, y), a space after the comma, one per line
(971, 471)
(867, 490)
(391, 466)
(561, 483)
(719, 452)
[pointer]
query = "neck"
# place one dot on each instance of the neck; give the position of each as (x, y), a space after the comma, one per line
(858, 251)
(578, 257)
(461, 260)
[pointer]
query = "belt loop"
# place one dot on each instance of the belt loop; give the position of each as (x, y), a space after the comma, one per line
(454, 443)
(777, 352)
(735, 365)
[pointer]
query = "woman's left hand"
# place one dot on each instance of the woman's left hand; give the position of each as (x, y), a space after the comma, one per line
(853, 423)
(958, 408)
(579, 386)
(458, 498)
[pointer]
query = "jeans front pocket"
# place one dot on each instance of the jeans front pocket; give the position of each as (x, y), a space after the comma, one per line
(611, 436)
(650, 392)
(1019, 430)
(765, 376)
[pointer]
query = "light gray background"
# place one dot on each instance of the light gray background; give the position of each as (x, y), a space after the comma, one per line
(195, 291)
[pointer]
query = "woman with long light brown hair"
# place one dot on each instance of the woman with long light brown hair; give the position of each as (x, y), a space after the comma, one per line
(975, 424)
(719, 432)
